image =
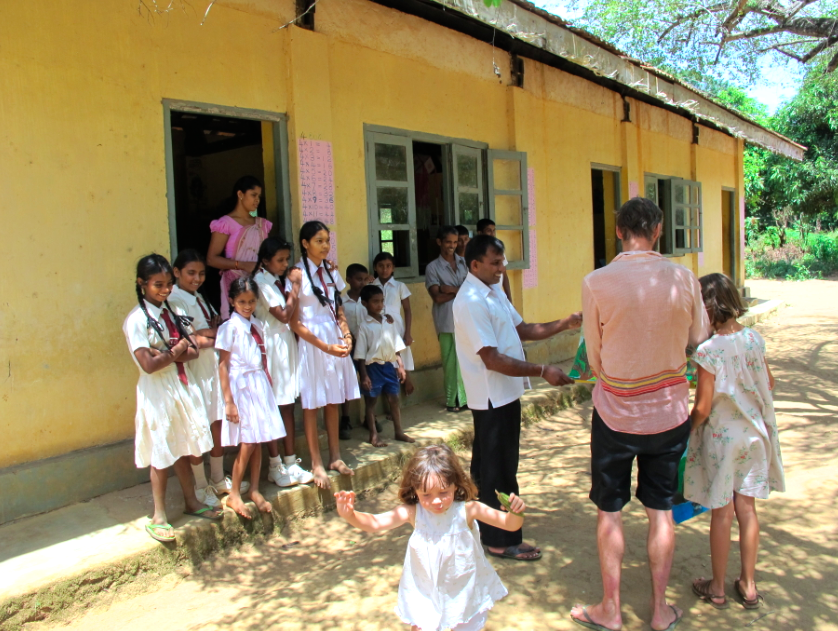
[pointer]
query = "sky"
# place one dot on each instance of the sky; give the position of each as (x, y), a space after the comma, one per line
(777, 85)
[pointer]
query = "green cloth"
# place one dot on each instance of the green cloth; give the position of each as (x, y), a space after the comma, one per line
(454, 388)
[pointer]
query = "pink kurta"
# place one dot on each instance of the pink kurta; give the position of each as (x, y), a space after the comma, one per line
(243, 245)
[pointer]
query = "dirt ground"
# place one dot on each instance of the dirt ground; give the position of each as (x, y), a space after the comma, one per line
(339, 578)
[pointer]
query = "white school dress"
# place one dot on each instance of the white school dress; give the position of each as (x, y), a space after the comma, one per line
(259, 420)
(738, 448)
(446, 580)
(394, 292)
(280, 341)
(205, 368)
(171, 420)
(324, 379)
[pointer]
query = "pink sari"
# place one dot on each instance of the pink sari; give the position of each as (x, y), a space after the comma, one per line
(243, 245)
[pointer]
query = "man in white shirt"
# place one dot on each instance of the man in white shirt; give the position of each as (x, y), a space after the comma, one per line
(488, 335)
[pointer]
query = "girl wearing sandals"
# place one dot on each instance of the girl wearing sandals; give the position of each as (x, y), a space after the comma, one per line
(250, 410)
(447, 582)
(734, 452)
(171, 420)
(327, 375)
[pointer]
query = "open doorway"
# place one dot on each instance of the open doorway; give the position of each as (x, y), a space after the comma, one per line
(428, 178)
(605, 195)
(209, 153)
(729, 232)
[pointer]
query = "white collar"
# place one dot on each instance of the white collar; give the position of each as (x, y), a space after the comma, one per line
(378, 282)
(311, 266)
(154, 312)
(188, 297)
(268, 276)
(242, 323)
(478, 284)
(369, 318)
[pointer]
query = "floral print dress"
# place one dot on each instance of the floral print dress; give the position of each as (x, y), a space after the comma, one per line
(738, 448)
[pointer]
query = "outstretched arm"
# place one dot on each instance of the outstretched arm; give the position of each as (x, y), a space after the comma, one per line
(532, 332)
(496, 518)
(367, 522)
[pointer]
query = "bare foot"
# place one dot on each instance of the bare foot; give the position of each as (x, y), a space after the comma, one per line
(404, 438)
(261, 503)
(341, 467)
(321, 478)
(375, 441)
(234, 501)
(665, 615)
(595, 614)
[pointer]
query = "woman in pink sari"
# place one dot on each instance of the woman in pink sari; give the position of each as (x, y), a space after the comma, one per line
(236, 237)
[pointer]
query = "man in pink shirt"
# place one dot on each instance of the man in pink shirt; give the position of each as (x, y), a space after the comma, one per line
(640, 314)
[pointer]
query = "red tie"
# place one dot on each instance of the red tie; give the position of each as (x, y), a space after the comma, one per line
(281, 286)
(256, 336)
(204, 311)
(326, 292)
(174, 334)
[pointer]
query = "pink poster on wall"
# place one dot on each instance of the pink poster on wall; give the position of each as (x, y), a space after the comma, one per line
(701, 259)
(633, 190)
(531, 195)
(531, 274)
(317, 182)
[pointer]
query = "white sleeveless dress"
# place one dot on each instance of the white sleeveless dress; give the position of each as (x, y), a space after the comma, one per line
(447, 580)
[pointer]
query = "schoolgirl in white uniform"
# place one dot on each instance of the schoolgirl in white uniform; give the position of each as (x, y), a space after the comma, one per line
(171, 420)
(190, 272)
(327, 375)
(250, 410)
(275, 308)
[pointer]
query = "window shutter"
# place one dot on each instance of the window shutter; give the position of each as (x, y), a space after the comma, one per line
(509, 204)
(686, 219)
(469, 191)
(391, 199)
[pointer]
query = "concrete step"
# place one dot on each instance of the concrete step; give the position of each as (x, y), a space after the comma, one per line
(51, 560)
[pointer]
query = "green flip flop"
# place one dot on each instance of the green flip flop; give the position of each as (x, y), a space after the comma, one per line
(201, 512)
(588, 622)
(152, 529)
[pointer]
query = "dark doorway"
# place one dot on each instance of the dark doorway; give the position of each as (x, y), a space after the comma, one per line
(429, 183)
(729, 221)
(605, 196)
(598, 195)
(209, 153)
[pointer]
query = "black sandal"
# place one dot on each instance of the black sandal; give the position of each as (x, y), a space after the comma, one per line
(513, 552)
(701, 588)
(754, 603)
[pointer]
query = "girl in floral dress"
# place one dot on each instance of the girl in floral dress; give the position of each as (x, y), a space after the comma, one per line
(734, 452)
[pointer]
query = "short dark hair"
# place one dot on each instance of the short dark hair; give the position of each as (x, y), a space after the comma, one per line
(721, 298)
(444, 231)
(484, 223)
(356, 268)
(639, 217)
(369, 291)
(462, 231)
(479, 247)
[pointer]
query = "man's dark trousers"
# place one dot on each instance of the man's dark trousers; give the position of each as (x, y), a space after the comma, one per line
(494, 464)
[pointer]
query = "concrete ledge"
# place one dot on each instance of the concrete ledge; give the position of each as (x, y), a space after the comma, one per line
(49, 561)
(49, 484)
(761, 311)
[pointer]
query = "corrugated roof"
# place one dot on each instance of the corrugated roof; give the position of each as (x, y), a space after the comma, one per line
(524, 21)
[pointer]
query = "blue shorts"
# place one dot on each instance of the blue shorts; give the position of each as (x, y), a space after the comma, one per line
(384, 379)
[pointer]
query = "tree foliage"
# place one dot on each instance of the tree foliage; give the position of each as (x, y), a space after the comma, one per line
(736, 34)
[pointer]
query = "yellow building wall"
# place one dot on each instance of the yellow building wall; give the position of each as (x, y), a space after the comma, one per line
(84, 175)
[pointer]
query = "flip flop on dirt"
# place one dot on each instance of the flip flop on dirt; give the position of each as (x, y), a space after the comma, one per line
(674, 623)
(588, 622)
(754, 603)
(213, 514)
(152, 529)
(515, 552)
(701, 588)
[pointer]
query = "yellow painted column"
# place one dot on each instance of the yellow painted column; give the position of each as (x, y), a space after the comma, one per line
(310, 110)
(631, 184)
(739, 233)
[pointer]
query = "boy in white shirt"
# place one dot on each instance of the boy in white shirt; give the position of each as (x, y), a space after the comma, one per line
(377, 348)
(357, 277)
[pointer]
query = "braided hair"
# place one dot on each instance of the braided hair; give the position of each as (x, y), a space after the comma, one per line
(147, 267)
(268, 250)
(307, 232)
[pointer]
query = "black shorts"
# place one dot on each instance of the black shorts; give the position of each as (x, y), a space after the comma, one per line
(658, 456)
